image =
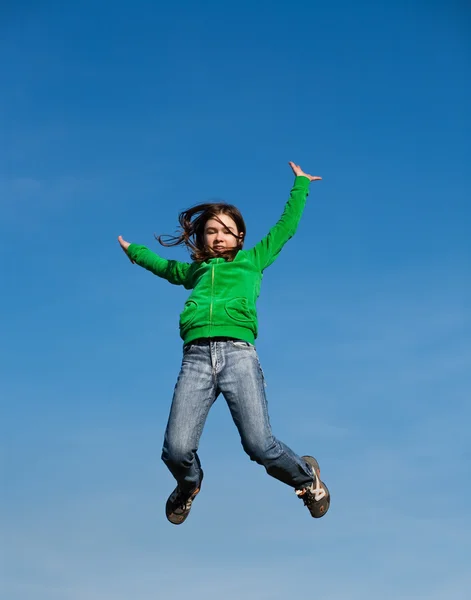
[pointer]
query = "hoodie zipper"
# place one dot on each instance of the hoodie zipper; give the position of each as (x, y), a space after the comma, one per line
(211, 305)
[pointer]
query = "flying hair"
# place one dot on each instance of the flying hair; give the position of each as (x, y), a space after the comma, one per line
(191, 231)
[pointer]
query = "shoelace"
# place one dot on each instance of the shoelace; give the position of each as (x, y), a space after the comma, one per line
(312, 493)
(182, 503)
(179, 502)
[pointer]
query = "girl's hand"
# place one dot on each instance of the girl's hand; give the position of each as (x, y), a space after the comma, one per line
(300, 173)
(124, 245)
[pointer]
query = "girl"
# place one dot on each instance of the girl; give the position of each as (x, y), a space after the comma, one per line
(218, 326)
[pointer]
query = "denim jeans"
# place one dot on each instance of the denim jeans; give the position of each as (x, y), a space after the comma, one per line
(231, 368)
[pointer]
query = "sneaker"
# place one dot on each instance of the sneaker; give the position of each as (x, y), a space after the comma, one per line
(316, 496)
(179, 505)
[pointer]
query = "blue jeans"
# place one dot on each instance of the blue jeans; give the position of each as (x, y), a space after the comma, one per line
(231, 368)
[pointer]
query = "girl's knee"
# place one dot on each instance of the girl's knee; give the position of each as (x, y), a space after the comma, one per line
(177, 454)
(260, 452)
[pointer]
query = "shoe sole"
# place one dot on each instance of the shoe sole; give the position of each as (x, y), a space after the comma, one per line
(323, 505)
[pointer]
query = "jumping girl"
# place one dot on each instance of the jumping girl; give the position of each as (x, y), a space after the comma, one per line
(218, 326)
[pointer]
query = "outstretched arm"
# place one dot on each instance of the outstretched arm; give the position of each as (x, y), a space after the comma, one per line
(172, 270)
(266, 251)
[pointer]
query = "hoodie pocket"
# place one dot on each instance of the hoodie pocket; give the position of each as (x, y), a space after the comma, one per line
(238, 309)
(189, 314)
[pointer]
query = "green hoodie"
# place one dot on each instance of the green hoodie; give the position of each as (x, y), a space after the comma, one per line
(224, 296)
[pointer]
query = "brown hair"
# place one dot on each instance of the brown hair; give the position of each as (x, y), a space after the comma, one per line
(191, 231)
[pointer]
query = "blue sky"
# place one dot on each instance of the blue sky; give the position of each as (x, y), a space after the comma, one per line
(116, 117)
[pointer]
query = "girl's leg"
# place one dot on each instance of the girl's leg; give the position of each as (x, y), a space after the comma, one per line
(194, 394)
(242, 384)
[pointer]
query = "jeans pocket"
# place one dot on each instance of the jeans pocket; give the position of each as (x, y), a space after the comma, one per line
(240, 344)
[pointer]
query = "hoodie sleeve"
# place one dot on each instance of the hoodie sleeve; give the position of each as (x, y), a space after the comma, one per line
(178, 273)
(267, 250)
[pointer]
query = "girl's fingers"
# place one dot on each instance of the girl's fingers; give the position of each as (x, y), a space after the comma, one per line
(124, 247)
(123, 243)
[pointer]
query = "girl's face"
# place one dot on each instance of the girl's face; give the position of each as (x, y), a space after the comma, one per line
(221, 234)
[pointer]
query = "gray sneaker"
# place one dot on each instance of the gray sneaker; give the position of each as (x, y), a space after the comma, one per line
(179, 505)
(316, 496)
